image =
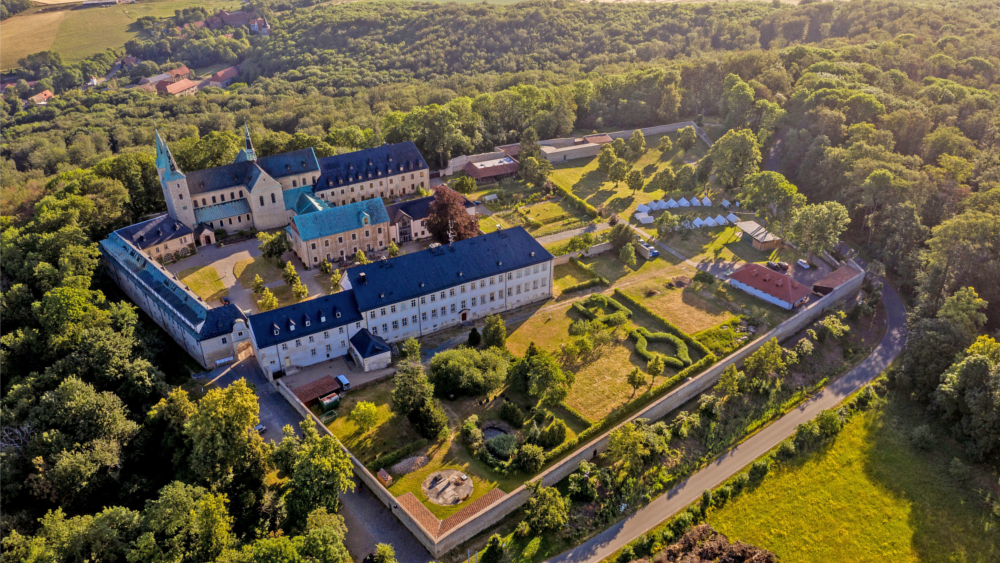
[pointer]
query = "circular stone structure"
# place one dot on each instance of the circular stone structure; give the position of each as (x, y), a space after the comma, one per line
(495, 428)
(447, 487)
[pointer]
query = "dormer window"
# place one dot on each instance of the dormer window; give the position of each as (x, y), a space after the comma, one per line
(291, 325)
(338, 314)
(322, 318)
(308, 322)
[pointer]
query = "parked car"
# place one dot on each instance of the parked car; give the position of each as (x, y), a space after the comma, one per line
(783, 266)
(647, 251)
(773, 266)
(344, 383)
(477, 203)
(260, 428)
(802, 263)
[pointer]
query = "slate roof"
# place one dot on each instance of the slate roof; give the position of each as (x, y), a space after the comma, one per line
(339, 219)
(247, 172)
(369, 164)
(412, 275)
(417, 209)
(369, 345)
(773, 283)
(220, 177)
(221, 211)
(309, 204)
(155, 231)
(220, 320)
(755, 230)
(288, 163)
(315, 310)
(291, 197)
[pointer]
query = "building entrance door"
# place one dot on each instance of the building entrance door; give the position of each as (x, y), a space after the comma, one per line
(465, 316)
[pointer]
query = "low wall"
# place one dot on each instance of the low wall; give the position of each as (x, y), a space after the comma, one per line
(592, 251)
(492, 514)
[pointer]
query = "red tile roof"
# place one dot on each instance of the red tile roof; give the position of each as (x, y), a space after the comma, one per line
(176, 87)
(835, 279)
(773, 283)
(311, 392)
(42, 97)
(491, 168)
(437, 528)
(598, 139)
(225, 74)
(179, 71)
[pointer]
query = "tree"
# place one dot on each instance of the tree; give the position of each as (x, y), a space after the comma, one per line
(772, 197)
(634, 180)
(685, 179)
(447, 213)
(495, 332)
(267, 301)
(529, 147)
(218, 148)
(817, 228)
(322, 472)
(962, 310)
(474, 338)
(620, 147)
(637, 143)
(618, 171)
(627, 445)
(428, 418)
(636, 379)
(767, 360)
(258, 284)
(468, 371)
(335, 278)
(664, 144)
(606, 158)
(326, 268)
(530, 458)
(384, 553)
(931, 347)
(300, 291)
(666, 224)
(411, 350)
(393, 250)
(656, 366)
(494, 552)
(969, 397)
(361, 258)
(621, 234)
(464, 185)
(737, 101)
(627, 255)
(546, 379)
(274, 246)
(731, 381)
(411, 386)
(365, 416)
(686, 138)
(536, 171)
(736, 155)
(546, 510)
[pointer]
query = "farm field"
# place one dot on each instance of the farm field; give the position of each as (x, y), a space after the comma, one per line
(869, 496)
(78, 33)
(585, 181)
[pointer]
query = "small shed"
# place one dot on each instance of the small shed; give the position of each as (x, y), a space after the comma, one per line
(684, 203)
(384, 477)
(757, 236)
(370, 351)
(672, 203)
(835, 279)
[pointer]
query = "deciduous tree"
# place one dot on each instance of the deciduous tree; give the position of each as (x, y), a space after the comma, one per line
(817, 228)
(736, 155)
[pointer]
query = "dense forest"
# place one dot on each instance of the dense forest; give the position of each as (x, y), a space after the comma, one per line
(890, 108)
(9, 8)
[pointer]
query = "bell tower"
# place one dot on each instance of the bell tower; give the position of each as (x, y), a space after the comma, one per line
(174, 184)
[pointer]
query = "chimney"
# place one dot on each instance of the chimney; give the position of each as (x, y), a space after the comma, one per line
(362, 279)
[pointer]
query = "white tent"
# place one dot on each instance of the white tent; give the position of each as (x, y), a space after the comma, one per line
(645, 220)
(698, 222)
(639, 215)
(653, 206)
(725, 203)
(709, 222)
(732, 218)
(662, 204)
(671, 203)
(684, 203)
(643, 208)
(706, 202)
(695, 202)
(720, 220)
(657, 205)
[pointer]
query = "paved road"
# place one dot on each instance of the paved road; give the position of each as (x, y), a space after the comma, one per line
(609, 541)
(368, 520)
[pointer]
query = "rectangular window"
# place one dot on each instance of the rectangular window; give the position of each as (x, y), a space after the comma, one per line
(423, 300)
(463, 303)
(493, 297)
(312, 352)
(482, 300)
(510, 291)
(451, 292)
(413, 302)
(492, 281)
(442, 295)
(311, 339)
(434, 313)
(374, 330)
(462, 288)
(536, 270)
(224, 341)
(510, 276)
(385, 327)
(371, 315)
(452, 307)
(423, 316)
(341, 330)
(328, 347)
(518, 286)
(405, 322)
(433, 298)
(414, 319)
(382, 312)
(343, 344)
(298, 343)
(392, 309)
(395, 325)
(545, 266)
(534, 284)
(284, 346)
(473, 301)
(443, 311)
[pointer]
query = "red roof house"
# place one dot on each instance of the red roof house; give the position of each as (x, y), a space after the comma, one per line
(835, 279)
(224, 77)
(42, 97)
(179, 72)
(490, 169)
(183, 87)
(774, 287)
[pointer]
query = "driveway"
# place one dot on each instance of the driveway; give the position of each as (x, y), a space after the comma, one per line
(368, 520)
(336, 366)
(662, 508)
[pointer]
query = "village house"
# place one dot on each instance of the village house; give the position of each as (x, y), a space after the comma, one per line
(491, 170)
(183, 87)
(774, 287)
(224, 77)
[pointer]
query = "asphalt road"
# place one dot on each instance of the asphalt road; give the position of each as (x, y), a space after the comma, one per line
(616, 537)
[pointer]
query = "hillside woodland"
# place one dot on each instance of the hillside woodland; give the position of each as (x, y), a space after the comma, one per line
(888, 108)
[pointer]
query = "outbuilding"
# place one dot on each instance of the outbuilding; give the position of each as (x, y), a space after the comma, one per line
(774, 287)
(370, 351)
(757, 236)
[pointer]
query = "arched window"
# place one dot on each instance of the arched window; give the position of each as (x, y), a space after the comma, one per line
(203, 202)
(213, 199)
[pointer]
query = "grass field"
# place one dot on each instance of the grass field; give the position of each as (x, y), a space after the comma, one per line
(585, 181)
(870, 496)
(205, 282)
(721, 245)
(78, 33)
(245, 270)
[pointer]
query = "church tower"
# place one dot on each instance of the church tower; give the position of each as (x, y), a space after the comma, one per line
(246, 154)
(174, 184)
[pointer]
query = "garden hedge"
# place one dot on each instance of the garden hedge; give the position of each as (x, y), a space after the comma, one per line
(598, 300)
(392, 458)
(671, 327)
(589, 269)
(582, 285)
(586, 207)
(641, 336)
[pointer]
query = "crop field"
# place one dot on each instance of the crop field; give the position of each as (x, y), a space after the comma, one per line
(78, 33)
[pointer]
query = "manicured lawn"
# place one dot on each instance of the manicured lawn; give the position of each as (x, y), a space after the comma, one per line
(490, 223)
(721, 245)
(609, 266)
(556, 217)
(324, 280)
(688, 308)
(565, 275)
(245, 270)
(585, 181)
(205, 282)
(870, 496)
(547, 330)
(77, 34)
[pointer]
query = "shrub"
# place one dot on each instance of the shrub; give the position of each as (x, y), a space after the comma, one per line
(467, 371)
(681, 523)
(786, 450)
(739, 483)
(530, 458)
(598, 300)
(921, 437)
(554, 435)
(958, 470)
(804, 348)
(474, 338)
(428, 419)
(807, 435)
(721, 496)
(704, 277)
(643, 336)
(626, 555)
(502, 446)
(471, 433)
(512, 414)
(575, 200)
(829, 423)
(523, 529)
(759, 470)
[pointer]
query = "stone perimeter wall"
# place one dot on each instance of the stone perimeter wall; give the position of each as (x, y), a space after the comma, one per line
(592, 251)
(489, 516)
